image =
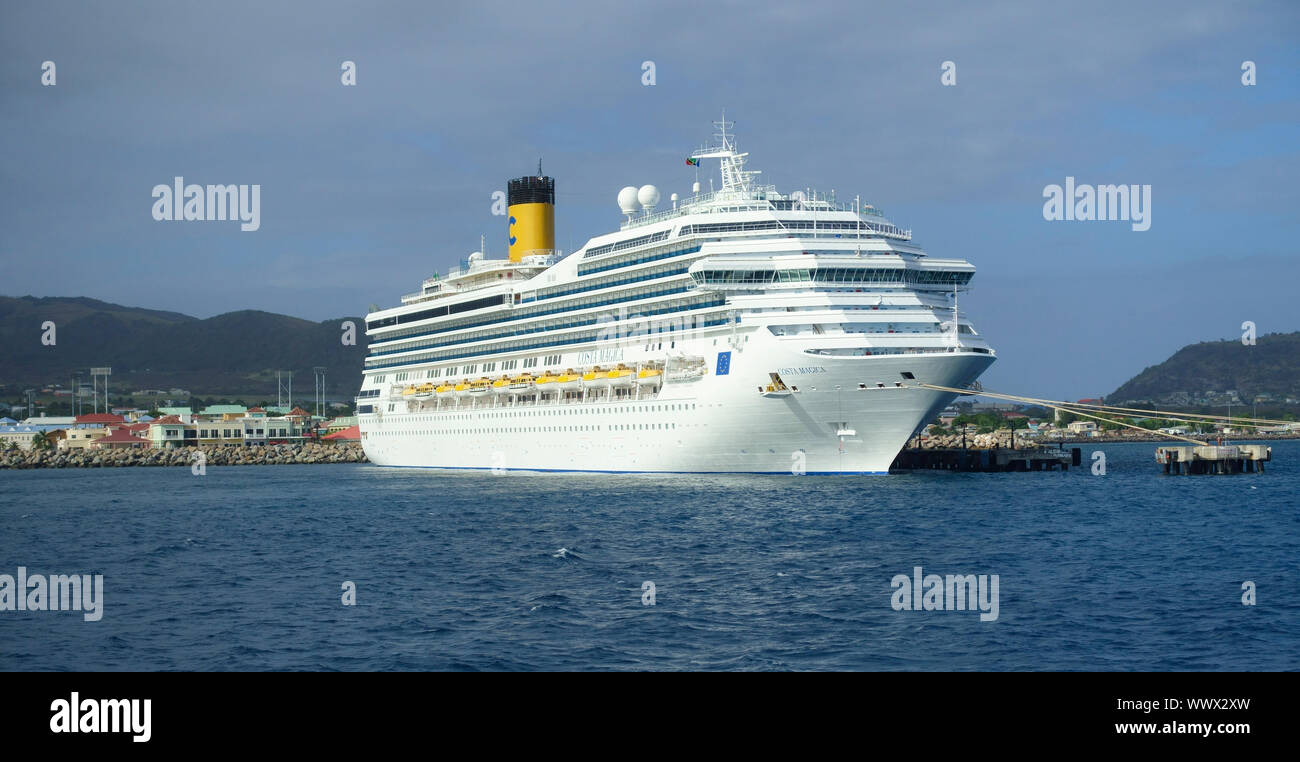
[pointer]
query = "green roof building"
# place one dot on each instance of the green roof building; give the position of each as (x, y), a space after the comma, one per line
(224, 411)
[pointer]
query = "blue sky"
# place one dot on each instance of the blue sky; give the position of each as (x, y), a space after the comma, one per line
(368, 189)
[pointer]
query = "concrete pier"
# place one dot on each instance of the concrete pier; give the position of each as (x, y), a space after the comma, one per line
(994, 460)
(1214, 459)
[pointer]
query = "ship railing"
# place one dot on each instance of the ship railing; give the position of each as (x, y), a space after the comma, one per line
(761, 199)
(463, 267)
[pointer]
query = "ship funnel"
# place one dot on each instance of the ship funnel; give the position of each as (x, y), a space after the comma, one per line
(531, 213)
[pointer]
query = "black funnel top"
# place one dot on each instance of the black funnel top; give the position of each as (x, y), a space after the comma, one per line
(531, 190)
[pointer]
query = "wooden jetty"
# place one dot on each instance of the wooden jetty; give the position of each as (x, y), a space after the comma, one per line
(994, 460)
(1214, 459)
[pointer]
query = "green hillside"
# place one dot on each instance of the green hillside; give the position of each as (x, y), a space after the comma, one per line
(1207, 373)
(234, 353)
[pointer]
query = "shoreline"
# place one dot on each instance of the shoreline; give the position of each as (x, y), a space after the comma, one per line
(242, 455)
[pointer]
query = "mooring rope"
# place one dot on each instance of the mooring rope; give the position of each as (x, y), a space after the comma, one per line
(1055, 405)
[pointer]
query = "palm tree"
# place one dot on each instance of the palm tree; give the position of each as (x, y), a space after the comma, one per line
(40, 441)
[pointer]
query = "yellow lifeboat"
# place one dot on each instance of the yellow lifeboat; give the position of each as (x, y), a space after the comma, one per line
(521, 383)
(462, 389)
(408, 391)
(649, 376)
(424, 389)
(596, 376)
(547, 378)
(621, 376)
(480, 386)
(501, 385)
(569, 380)
(444, 389)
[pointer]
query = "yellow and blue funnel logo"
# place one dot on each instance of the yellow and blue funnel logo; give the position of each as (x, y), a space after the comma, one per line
(532, 229)
(531, 218)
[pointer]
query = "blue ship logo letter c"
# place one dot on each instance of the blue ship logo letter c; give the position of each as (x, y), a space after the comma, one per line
(511, 232)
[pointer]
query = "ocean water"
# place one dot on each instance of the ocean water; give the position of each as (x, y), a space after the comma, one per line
(242, 569)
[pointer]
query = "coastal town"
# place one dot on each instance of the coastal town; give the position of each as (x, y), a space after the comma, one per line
(225, 432)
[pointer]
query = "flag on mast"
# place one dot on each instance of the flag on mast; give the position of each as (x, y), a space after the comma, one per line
(693, 162)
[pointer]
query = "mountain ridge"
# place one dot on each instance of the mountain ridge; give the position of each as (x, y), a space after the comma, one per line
(234, 352)
(1208, 372)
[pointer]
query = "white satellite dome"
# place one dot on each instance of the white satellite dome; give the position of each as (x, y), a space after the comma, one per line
(648, 195)
(627, 200)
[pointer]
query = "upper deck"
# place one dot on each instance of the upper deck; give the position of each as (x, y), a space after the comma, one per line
(741, 213)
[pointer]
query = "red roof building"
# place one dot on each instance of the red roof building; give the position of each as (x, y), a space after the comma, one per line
(100, 418)
(119, 438)
(351, 434)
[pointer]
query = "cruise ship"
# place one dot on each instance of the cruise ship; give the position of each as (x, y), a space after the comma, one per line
(735, 330)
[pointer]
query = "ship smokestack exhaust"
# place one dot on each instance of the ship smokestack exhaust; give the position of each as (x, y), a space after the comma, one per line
(531, 230)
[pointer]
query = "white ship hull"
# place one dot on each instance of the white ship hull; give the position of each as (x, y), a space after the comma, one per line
(716, 424)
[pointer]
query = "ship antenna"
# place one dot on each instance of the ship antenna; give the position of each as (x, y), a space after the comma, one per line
(539, 166)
